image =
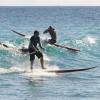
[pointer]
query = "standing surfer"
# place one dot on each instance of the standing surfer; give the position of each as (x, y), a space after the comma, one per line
(33, 50)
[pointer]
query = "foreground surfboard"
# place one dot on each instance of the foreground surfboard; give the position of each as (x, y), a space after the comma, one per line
(57, 45)
(41, 72)
(69, 70)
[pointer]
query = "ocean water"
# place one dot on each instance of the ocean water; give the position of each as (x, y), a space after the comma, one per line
(77, 27)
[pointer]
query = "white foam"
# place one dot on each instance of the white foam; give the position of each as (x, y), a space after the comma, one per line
(41, 72)
(3, 70)
(38, 72)
(91, 40)
(46, 57)
(11, 47)
(10, 70)
(44, 36)
(27, 72)
(87, 40)
(27, 37)
(9, 44)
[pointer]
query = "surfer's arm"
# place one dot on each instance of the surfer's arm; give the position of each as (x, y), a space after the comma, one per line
(45, 31)
(40, 44)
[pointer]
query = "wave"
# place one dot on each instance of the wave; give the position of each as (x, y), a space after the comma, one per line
(27, 72)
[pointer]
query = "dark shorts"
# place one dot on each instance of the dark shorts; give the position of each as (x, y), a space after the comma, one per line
(52, 41)
(33, 53)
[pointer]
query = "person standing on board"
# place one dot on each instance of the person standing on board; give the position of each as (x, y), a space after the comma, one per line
(33, 50)
(52, 33)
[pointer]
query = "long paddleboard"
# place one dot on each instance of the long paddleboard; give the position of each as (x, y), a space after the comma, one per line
(57, 45)
(69, 70)
(65, 47)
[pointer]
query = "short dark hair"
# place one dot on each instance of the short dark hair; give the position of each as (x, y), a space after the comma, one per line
(36, 32)
(50, 27)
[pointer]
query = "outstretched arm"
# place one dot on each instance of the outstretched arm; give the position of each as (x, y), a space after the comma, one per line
(45, 31)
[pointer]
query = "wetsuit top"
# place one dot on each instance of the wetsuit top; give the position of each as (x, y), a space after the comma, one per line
(52, 34)
(34, 41)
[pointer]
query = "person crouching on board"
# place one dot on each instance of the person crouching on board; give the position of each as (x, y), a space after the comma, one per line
(33, 50)
(52, 33)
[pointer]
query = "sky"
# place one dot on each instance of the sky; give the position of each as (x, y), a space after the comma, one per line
(49, 2)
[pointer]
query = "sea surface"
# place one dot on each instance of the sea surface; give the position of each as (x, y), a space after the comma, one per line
(77, 27)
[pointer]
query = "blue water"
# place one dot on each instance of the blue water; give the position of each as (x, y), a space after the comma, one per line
(77, 27)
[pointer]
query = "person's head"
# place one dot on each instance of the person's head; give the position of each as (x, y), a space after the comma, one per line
(36, 33)
(51, 28)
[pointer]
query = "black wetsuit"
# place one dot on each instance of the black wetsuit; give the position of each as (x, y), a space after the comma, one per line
(53, 36)
(33, 50)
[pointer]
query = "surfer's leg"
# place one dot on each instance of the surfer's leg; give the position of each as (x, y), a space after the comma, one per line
(31, 64)
(42, 62)
(40, 56)
(32, 57)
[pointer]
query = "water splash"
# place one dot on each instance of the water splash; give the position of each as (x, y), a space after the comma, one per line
(91, 40)
(27, 72)
(88, 40)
